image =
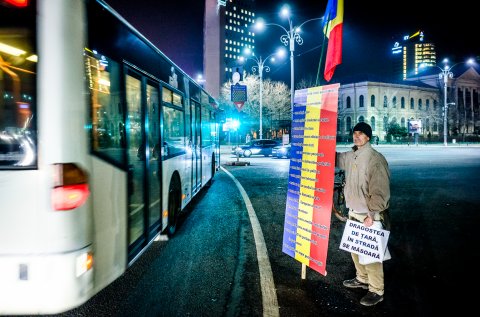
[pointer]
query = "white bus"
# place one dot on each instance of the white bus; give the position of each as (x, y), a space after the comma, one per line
(103, 142)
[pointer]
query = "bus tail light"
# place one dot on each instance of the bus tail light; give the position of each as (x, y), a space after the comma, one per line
(70, 186)
(17, 3)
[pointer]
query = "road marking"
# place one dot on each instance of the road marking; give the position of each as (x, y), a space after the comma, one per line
(269, 295)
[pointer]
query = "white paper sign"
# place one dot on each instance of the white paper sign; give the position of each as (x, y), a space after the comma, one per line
(370, 243)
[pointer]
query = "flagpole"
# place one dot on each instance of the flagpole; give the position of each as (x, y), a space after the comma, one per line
(321, 58)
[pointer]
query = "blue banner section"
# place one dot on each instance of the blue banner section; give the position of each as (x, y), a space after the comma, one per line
(295, 173)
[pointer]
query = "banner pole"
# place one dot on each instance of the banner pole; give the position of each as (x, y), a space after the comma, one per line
(304, 271)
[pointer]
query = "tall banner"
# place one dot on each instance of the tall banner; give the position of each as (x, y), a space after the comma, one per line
(311, 176)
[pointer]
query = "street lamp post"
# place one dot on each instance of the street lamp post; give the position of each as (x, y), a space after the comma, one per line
(292, 35)
(260, 67)
(446, 73)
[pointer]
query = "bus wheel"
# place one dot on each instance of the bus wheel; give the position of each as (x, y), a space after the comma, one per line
(173, 206)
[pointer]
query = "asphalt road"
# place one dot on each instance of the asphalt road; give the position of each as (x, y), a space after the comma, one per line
(434, 218)
(210, 267)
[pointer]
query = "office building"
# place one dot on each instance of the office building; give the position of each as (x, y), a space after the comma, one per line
(227, 32)
(410, 53)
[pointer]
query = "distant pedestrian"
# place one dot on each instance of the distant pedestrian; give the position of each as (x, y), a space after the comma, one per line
(367, 195)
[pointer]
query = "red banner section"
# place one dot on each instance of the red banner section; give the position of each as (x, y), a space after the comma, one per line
(311, 176)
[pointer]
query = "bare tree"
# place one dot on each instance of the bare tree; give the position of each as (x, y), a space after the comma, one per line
(275, 99)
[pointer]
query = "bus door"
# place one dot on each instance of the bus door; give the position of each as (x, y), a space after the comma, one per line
(143, 154)
(196, 147)
(154, 162)
(136, 155)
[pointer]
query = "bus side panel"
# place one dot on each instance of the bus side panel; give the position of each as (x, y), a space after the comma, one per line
(109, 197)
(187, 177)
(21, 223)
(207, 154)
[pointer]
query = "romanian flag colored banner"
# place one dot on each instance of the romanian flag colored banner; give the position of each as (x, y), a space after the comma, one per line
(332, 27)
(311, 176)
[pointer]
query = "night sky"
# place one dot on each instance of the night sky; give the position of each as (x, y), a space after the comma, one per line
(370, 30)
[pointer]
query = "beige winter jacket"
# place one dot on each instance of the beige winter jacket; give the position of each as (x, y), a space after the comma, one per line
(367, 176)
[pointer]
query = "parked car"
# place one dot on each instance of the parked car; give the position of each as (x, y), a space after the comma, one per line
(282, 151)
(256, 147)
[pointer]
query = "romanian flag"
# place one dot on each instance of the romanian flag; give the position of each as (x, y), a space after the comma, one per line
(332, 27)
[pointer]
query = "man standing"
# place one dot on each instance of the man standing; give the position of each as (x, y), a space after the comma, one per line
(367, 195)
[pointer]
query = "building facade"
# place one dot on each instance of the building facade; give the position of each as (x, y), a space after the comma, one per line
(463, 91)
(410, 53)
(381, 104)
(420, 99)
(227, 32)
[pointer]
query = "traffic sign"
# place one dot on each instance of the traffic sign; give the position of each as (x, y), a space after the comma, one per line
(238, 95)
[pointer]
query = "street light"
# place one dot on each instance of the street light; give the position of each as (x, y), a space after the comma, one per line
(446, 73)
(200, 80)
(260, 67)
(292, 35)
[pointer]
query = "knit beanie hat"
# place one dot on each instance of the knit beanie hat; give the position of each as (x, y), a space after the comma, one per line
(365, 128)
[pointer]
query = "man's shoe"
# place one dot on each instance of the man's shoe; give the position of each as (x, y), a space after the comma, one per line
(354, 283)
(371, 299)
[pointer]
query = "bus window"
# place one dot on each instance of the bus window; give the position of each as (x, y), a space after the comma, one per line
(174, 131)
(18, 141)
(206, 127)
(173, 123)
(108, 127)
